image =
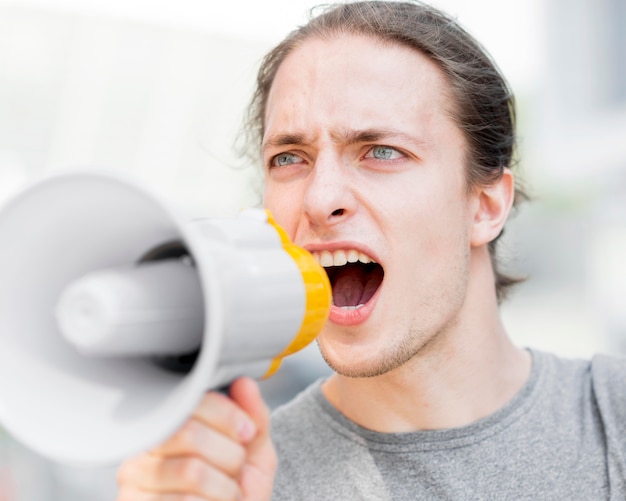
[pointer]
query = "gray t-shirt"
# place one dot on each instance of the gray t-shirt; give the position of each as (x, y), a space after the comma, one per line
(562, 437)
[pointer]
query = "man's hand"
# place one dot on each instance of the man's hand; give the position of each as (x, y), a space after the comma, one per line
(224, 452)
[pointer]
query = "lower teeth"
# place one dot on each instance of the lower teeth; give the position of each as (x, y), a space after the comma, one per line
(350, 308)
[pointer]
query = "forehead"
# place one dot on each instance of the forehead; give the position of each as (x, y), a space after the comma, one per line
(359, 81)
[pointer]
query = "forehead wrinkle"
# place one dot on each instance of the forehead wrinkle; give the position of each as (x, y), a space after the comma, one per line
(343, 136)
(372, 135)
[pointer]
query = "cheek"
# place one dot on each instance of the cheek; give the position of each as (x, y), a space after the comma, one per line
(433, 235)
(283, 202)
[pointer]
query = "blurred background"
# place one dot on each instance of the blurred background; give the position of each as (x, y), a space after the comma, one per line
(157, 90)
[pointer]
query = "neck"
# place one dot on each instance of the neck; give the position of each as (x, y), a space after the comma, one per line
(433, 392)
(458, 378)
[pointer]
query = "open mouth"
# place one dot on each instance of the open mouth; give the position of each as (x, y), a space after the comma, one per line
(354, 277)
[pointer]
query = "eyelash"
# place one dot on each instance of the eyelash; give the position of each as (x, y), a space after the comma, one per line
(394, 153)
(273, 160)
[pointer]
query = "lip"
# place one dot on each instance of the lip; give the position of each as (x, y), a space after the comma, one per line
(339, 316)
(350, 318)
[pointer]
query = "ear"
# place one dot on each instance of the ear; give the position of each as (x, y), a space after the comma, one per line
(493, 208)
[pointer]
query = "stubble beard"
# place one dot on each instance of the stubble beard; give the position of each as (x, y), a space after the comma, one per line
(418, 340)
(392, 358)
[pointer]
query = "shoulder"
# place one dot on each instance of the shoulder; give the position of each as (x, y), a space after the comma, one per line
(297, 412)
(562, 375)
(304, 443)
(609, 385)
(304, 422)
(584, 389)
(608, 365)
(609, 388)
(601, 370)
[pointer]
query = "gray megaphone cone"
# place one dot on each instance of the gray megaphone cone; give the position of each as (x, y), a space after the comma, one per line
(104, 290)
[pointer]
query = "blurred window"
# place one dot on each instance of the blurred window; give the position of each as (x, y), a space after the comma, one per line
(616, 39)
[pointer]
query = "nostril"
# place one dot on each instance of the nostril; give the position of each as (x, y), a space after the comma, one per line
(338, 212)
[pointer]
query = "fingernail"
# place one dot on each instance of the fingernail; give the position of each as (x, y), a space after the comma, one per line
(246, 430)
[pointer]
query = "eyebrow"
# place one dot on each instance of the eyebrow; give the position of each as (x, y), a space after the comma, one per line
(347, 136)
(286, 140)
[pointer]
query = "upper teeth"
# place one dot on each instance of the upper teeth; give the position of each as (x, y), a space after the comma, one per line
(341, 257)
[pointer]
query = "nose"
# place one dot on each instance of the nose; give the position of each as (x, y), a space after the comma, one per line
(329, 197)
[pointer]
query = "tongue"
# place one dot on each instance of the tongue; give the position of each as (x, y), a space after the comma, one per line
(354, 285)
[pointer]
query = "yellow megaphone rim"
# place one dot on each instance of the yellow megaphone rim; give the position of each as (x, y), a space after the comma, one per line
(318, 297)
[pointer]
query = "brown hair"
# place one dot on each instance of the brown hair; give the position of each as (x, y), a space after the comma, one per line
(483, 104)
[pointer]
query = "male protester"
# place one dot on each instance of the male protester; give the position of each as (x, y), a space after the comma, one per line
(387, 136)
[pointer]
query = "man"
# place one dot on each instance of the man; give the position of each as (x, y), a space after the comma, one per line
(387, 137)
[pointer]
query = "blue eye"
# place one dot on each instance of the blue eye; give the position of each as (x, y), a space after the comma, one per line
(284, 159)
(383, 153)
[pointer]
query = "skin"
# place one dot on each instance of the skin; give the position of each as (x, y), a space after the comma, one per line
(361, 153)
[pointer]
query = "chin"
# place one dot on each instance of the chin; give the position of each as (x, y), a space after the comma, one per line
(357, 361)
(354, 358)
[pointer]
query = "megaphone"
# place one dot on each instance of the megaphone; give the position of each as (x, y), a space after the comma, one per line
(117, 314)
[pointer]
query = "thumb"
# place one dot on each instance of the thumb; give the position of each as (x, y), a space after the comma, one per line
(246, 393)
(257, 477)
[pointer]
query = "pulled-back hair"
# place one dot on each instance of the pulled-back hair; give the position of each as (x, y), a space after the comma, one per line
(482, 104)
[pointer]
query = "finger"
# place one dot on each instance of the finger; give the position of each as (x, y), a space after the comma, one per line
(221, 413)
(177, 475)
(196, 439)
(246, 393)
(257, 476)
(132, 494)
